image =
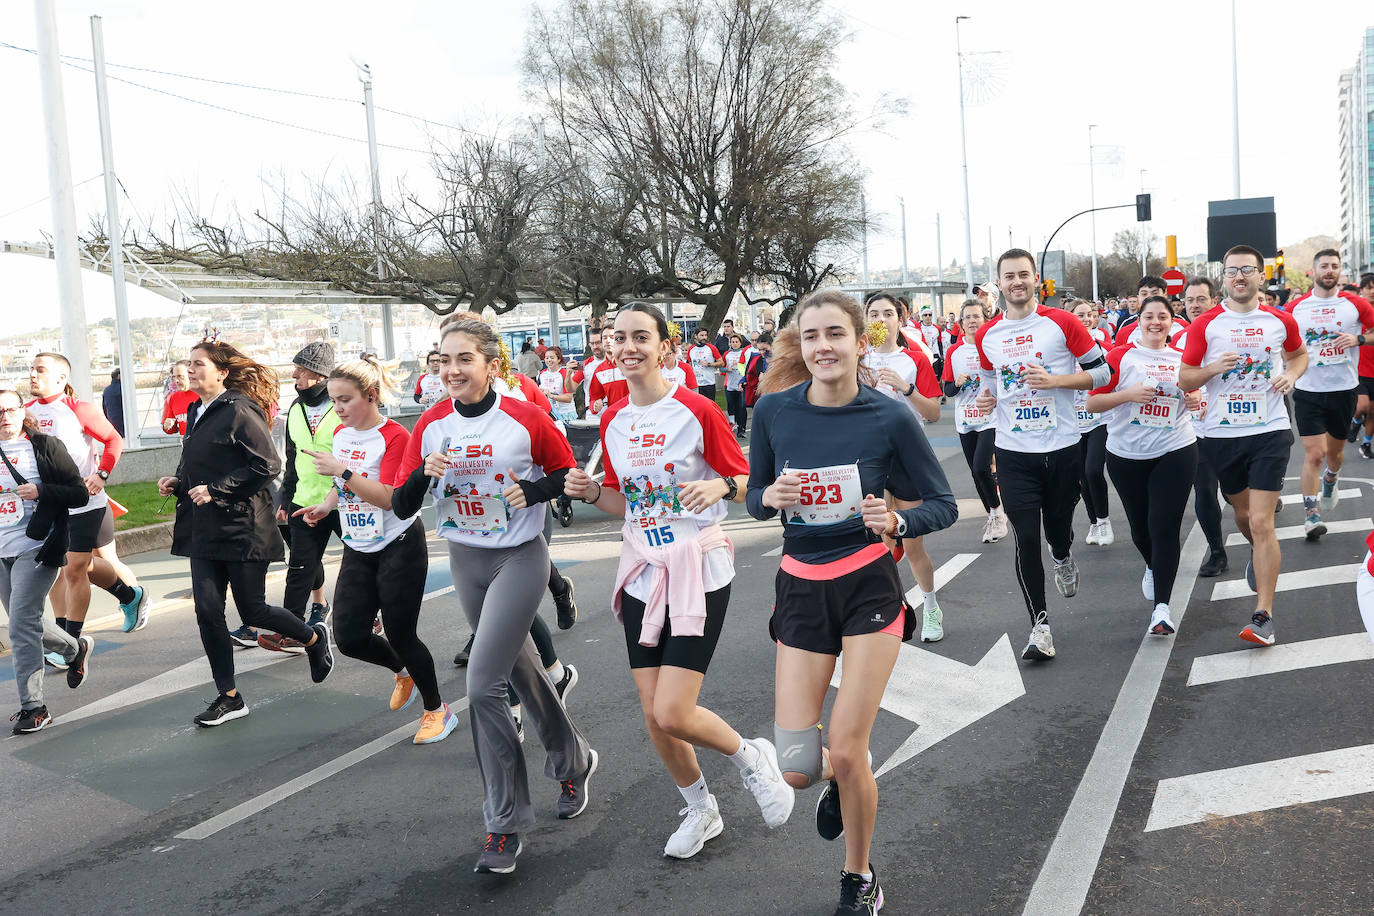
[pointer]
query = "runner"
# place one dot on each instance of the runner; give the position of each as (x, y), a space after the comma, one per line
(736, 359)
(705, 360)
(1129, 332)
(224, 522)
(1200, 296)
(590, 367)
(930, 334)
(977, 433)
(825, 447)
(901, 372)
(677, 370)
(38, 484)
(429, 388)
(79, 425)
(496, 458)
(1033, 358)
(671, 464)
(1151, 450)
(553, 382)
(383, 570)
(1365, 409)
(1092, 444)
(180, 398)
(1333, 326)
(1234, 351)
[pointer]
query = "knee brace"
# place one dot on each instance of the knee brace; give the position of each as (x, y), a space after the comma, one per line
(799, 751)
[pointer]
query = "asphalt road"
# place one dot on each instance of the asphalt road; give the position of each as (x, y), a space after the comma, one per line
(1010, 786)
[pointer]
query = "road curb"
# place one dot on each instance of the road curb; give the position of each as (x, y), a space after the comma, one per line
(143, 539)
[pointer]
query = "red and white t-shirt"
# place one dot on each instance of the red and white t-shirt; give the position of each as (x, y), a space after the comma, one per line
(1197, 416)
(1321, 321)
(681, 373)
(1242, 401)
(913, 367)
(1028, 419)
(931, 335)
(553, 381)
(527, 390)
(590, 368)
(1131, 335)
(80, 425)
(703, 359)
(1159, 425)
(962, 360)
(608, 384)
(1103, 338)
(376, 454)
(650, 451)
(174, 410)
(511, 435)
(430, 389)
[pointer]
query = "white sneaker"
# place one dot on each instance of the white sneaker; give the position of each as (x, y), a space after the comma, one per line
(1105, 538)
(999, 529)
(702, 823)
(1041, 644)
(1147, 584)
(987, 530)
(932, 624)
(1161, 624)
(764, 779)
(1091, 536)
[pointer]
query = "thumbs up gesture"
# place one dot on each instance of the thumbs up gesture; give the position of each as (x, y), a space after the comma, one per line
(514, 494)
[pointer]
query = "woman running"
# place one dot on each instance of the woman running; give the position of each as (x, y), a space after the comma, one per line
(224, 518)
(383, 570)
(735, 359)
(495, 459)
(1092, 443)
(1151, 450)
(553, 381)
(823, 451)
(671, 464)
(977, 431)
(901, 372)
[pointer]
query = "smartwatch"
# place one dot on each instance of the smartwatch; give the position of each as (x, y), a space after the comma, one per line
(348, 473)
(731, 488)
(103, 474)
(911, 389)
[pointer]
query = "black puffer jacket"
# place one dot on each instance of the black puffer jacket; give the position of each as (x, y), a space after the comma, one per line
(230, 451)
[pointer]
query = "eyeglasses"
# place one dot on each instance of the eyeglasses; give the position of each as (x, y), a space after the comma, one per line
(1246, 270)
(12, 411)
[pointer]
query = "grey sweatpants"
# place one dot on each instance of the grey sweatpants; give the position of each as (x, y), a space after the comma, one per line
(500, 594)
(23, 588)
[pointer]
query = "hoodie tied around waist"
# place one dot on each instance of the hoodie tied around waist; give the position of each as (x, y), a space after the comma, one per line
(676, 581)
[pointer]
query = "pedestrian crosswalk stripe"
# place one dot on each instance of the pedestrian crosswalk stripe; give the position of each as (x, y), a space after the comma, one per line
(1309, 653)
(1295, 499)
(1293, 532)
(1291, 581)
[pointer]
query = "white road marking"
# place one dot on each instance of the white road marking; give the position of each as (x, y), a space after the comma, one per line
(944, 574)
(1291, 656)
(1293, 532)
(1262, 786)
(1295, 499)
(208, 828)
(1291, 581)
(1063, 883)
(775, 552)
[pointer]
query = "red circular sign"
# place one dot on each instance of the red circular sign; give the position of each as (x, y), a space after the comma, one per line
(1174, 280)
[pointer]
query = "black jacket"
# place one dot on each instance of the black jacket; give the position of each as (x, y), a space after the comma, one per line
(230, 451)
(60, 488)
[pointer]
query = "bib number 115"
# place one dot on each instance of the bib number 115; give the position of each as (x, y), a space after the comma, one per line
(654, 533)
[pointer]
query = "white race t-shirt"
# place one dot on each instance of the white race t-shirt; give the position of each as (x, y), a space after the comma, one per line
(1158, 426)
(900, 362)
(1242, 401)
(701, 359)
(963, 360)
(15, 512)
(431, 389)
(376, 454)
(1320, 322)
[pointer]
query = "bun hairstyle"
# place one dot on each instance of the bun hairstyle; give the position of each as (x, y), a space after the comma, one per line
(786, 367)
(375, 378)
(259, 383)
(488, 343)
(653, 311)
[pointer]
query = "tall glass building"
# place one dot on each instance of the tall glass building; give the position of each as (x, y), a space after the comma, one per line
(1357, 160)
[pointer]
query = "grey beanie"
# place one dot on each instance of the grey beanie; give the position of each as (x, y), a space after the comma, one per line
(316, 357)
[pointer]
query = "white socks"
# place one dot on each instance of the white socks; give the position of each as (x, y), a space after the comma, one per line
(696, 793)
(746, 756)
(555, 672)
(928, 598)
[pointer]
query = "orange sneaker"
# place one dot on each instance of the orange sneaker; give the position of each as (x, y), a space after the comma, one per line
(403, 694)
(435, 725)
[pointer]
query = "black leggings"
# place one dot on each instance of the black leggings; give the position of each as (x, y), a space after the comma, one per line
(391, 581)
(305, 569)
(978, 447)
(1206, 506)
(1092, 449)
(735, 409)
(248, 579)
(1038, 485)
(1154, 493)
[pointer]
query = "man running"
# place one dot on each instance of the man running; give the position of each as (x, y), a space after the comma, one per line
(1333, 324)
(1129, 330)
(180, 398)
(1032, 359)
(1365, 406)
(429, 389)
(1247, 357)
(705, 360)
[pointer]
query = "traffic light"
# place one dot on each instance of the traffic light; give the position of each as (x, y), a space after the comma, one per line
(1046, 289)
(1142, 208)
(1278, 265)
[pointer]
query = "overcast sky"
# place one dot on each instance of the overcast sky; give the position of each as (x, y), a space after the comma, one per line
(1155, 80)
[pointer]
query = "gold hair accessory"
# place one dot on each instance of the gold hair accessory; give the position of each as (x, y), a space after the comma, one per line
(508, 364)
(877, 333)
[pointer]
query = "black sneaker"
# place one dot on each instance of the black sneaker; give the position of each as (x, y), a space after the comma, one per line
(320, 655)
(829, 819)
(858, 895)
(1250, 571)
(245, 637)
(27, 721)
(224, 709)
(572, 795)
(319, 613)
(1355, 426)
(76, 670)
(461, 659)
(1366, 451)
(499, 854)
(565, 684)
(519, 718)
(567, 607)
(1215, 565)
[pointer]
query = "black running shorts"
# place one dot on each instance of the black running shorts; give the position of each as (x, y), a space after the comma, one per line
(1255, 462)
(90, 529)
(1327, 412)
(818, 604)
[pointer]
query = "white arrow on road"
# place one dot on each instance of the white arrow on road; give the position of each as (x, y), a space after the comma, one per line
(942, 695)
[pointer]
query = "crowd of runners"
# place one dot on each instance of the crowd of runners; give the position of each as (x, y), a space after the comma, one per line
(1165, 398)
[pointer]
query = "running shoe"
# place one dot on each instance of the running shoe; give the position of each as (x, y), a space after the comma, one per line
(436, 725)
(1366, 451)
(1313, 527)
(320, 655)
(999, 529)
(565, 684)
(135, 611)
(1066, 576)
(1147, 584)
(987, 529)
(224, 709)
(567, 607)
(79, 667)
(572, 793)
(1354, 432)
(275, 642)
(1041, 644)
(404, 693)
(933, 624)
(1091, 536)
(377, 627)
(319, 613)
(1160, 622)
(519, 718)
(1250, 571)
(764, 780)
(27, 721)
(498, 855)
(1330, 494)
(1260, 629)
(245, 637)
(1105, 537)
(829, 817)
(55, 660)
(1215, 564)
(702, 823)
(461, 659)
(858, 895)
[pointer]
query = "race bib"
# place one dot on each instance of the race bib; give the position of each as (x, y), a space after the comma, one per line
(1033, 413)
(1156, 413)
(1243, 408)
(828, 495)
(970, 415)
(663, 532)
(1199, 412)
(361, 521)
(11, 510)
(472, 513)
(1328, 355)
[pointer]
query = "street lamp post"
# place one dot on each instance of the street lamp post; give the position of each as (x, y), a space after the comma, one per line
(1092, 205)
(963, 145)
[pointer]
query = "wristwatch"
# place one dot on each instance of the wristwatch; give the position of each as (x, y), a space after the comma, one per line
(348, 472)
(901, 526)
(1360, 338)
(731, 488)
(911, 389)
(103, 474)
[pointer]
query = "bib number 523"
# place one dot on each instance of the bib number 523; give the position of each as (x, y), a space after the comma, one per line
(815, 493)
